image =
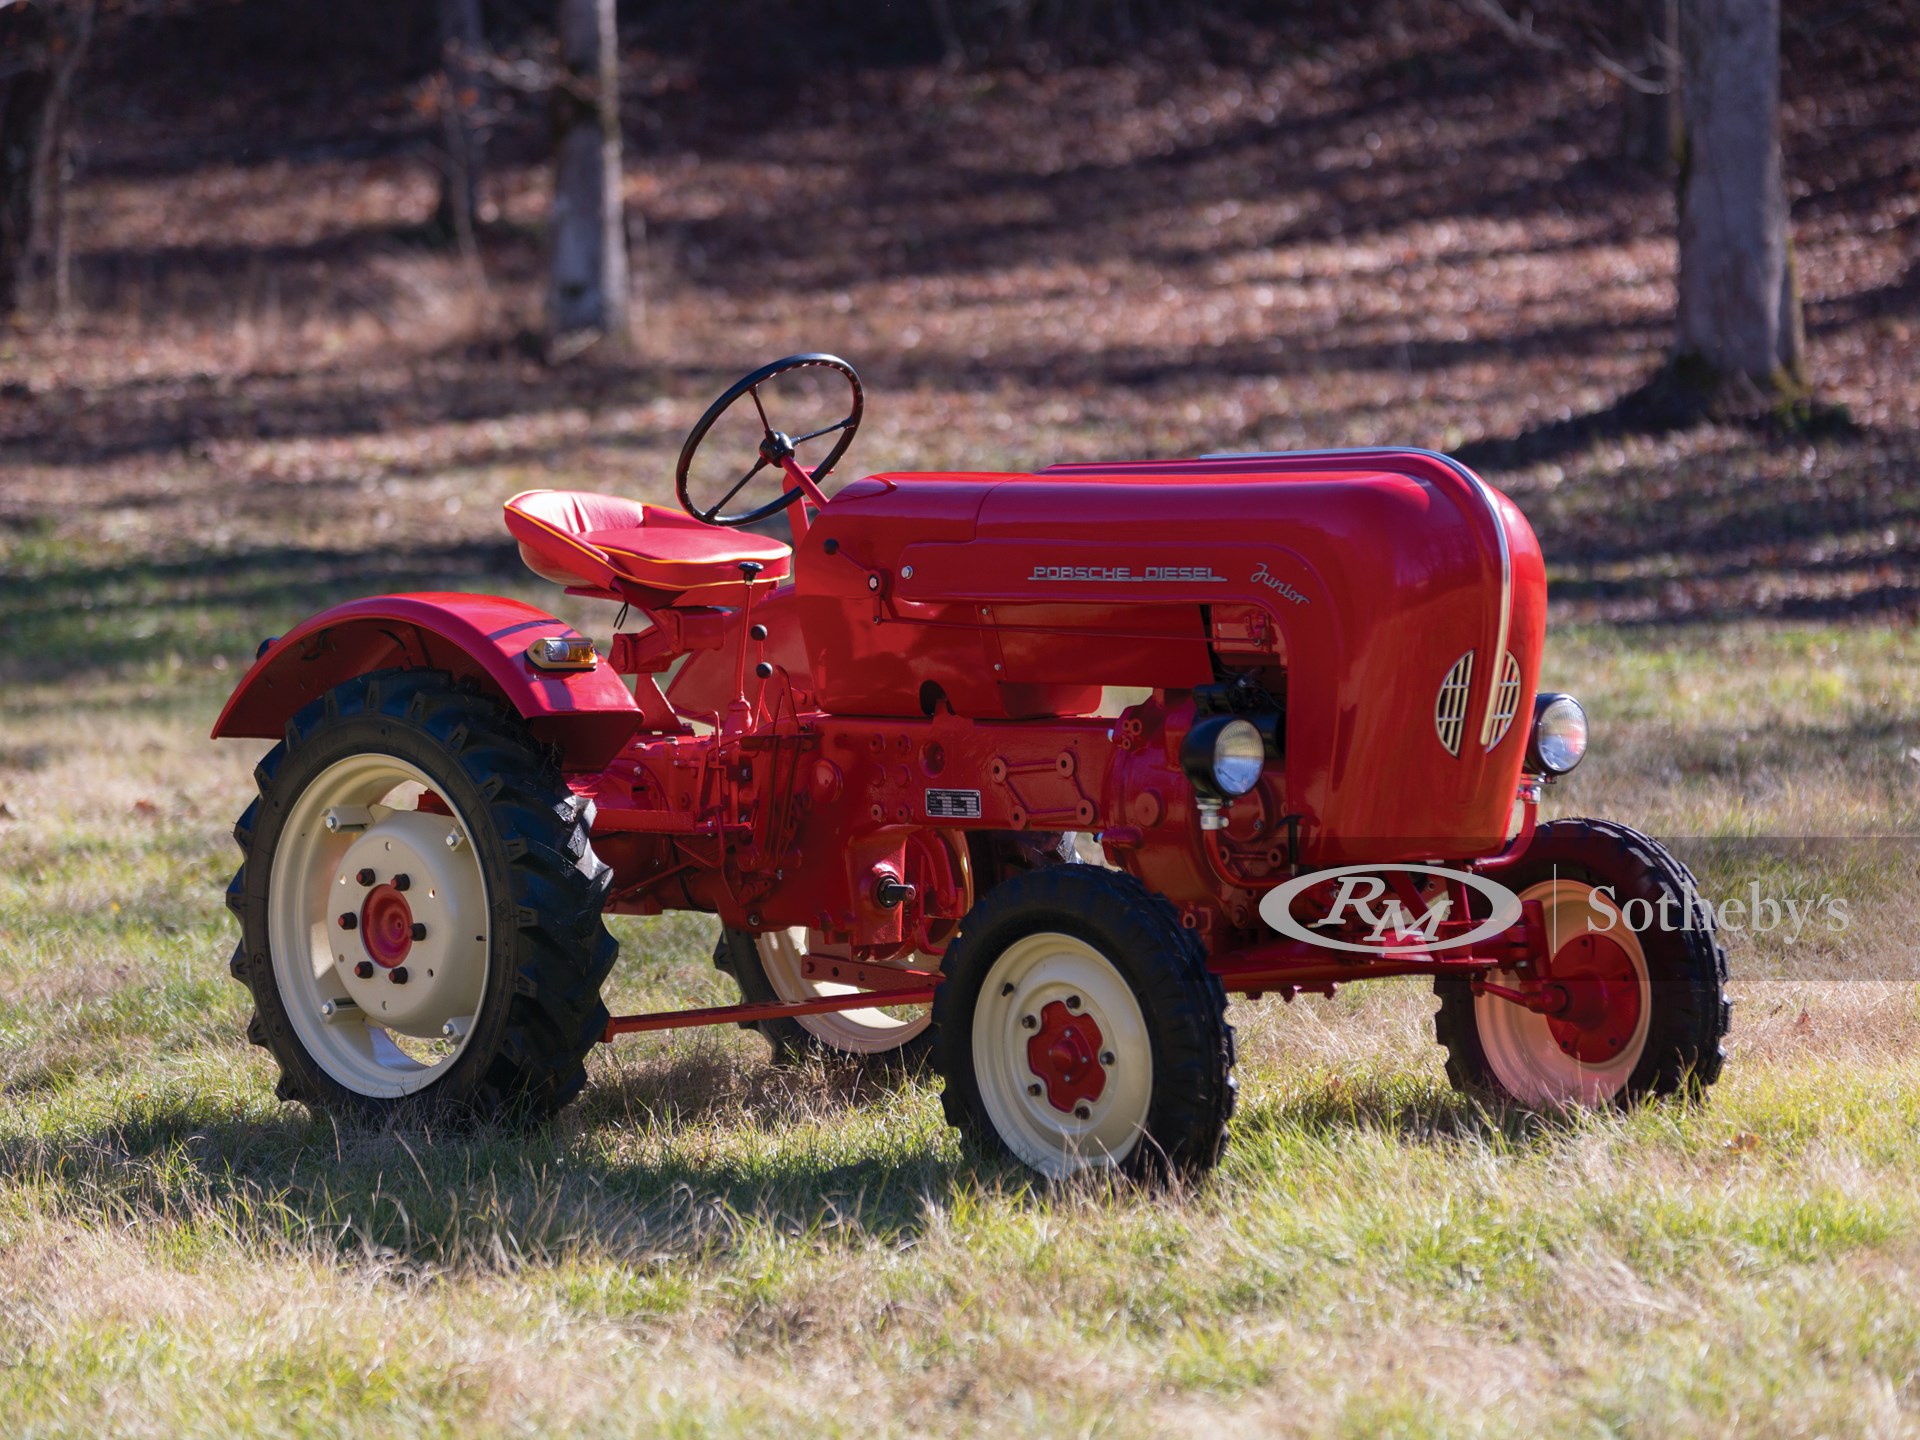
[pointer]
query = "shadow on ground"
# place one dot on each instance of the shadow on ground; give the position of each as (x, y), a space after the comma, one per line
(624, 1175)
(91, 617)
(621, 1175)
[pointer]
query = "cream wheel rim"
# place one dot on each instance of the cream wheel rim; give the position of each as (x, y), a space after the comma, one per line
(869, 1031)
(1519, 1046)
(1033, 974)
(384, 1013)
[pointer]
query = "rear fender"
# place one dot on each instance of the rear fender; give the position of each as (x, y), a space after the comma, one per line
(589, 714)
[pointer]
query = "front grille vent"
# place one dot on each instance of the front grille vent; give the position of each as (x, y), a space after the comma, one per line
(1450, 709)
(1506, 701)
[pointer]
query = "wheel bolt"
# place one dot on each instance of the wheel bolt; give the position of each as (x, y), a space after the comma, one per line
(403, 881)
(349, 920)
(366, 876)
(1034, 1089)
(1027, 1022)
(1106, 1057)
(1081, 1112)
(398, 975)
(1073, 1002)
(419, 931)
(364, 970)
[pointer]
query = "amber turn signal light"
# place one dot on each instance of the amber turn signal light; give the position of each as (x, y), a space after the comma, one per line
(562, 652)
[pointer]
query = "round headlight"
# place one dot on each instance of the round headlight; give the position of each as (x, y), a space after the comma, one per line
(1559, 734)
(1223, 756)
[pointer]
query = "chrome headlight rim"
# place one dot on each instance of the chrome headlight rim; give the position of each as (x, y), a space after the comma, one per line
(1557, 742)
(1223, 756)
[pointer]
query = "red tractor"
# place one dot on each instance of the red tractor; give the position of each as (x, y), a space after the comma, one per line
(1290, 698)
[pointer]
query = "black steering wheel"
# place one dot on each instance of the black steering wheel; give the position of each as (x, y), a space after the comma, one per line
(776, 446)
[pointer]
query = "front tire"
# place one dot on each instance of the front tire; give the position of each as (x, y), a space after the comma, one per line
(420, 907)
(1653, 1028)
(1079, 1028)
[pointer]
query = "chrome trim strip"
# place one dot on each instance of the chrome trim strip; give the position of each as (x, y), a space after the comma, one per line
(1480, 487)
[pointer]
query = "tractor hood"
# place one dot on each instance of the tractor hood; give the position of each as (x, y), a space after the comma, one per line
(1404, 599)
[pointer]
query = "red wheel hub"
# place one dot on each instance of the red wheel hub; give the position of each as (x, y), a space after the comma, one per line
(386, 925)
(1603, 998)
(1065, 1052)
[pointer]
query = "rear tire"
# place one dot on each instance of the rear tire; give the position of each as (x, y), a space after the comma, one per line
(1494, 1046)
(767, 975)
(509, 930)
(1079, 1028)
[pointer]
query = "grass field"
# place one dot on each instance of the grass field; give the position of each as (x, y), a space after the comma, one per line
(272, 399)
(708, 1245)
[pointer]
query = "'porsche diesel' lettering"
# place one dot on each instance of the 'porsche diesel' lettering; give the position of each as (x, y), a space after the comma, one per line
(1127, 574)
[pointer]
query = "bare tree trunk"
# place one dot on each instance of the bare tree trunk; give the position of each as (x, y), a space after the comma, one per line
(1653, 124)
(25, 101)
(463, 99)
(587, 293)
(1739, 298)
(41, 46)
(953, 48)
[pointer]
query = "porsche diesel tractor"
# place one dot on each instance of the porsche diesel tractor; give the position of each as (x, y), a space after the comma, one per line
(1023, 773)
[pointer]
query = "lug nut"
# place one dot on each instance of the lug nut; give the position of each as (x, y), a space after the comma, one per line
(1033, 1089)
(403, 881)
(366, 876)
(364, 970)
(419, 931)
(1027, 1022)
(1073, 1002)
(398, 975)
(1081, 1112)
(1106, 1057)
(349, 920)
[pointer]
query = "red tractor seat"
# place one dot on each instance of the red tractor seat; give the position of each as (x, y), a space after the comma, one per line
(574, 537)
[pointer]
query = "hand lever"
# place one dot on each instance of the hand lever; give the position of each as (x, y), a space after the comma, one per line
(739, 713)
